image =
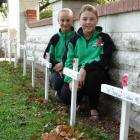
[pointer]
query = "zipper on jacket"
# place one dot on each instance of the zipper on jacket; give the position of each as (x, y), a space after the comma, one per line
(65, 40)
(87, 42)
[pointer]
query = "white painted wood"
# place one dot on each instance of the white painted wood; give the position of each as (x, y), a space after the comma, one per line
(7, 59)
(24, 62)
(9, 53)
(46, 83)
(23, 47)
(5, 50)
(71, 73)
(33, 74)
(75, 76)
(15, 55)
(125, 115)
(45, 62)
(33, 67)
(121, 94)
(127, 98)
(30, 58)
(48, 65)
(74, 96)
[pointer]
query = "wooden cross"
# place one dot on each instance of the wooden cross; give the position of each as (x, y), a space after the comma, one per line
(9, 50)
(4, 43)
(29, 58)
(127, 98)
(75, 76)
(14, 44)
(23, 47)
(48, 65)
(32, 59)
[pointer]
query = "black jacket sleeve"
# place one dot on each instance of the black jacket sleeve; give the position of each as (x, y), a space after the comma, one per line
(52, 43)
(47, 49)
(105, 58)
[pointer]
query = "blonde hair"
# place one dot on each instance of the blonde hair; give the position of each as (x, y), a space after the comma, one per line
(90, 8)
(66, 10)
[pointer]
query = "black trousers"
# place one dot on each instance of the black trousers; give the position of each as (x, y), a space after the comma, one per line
(56, 81)
(92, 89)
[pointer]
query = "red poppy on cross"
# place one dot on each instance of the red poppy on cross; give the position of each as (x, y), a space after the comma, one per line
(124, 80)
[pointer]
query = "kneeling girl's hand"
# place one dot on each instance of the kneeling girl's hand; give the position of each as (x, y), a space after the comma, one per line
(82, 77)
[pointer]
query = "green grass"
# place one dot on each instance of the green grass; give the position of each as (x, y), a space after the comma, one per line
(23, 115)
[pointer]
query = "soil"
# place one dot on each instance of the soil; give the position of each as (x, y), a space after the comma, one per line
(105, 123)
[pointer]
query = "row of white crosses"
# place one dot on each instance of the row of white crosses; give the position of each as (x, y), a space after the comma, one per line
(13, 44)
(7, 51)
(71, 73)
(126, 96)
(42, 61)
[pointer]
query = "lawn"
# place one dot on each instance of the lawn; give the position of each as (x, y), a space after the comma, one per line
(24, 115)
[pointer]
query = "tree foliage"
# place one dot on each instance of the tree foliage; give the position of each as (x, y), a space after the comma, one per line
(45, 14)
(43, 5)
(102, 1)
(3, 8)
(1, 2)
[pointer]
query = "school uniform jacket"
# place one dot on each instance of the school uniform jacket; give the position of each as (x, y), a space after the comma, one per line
(92, 54)
(57, 46)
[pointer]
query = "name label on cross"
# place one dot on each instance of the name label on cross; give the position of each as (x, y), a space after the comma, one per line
(71, 73)
(45, 62)
(23, 47)
(121, 94)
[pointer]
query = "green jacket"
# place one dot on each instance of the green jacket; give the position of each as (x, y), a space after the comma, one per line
(57, 46)
(92, 54)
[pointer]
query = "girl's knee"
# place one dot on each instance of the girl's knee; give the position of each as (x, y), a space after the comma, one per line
(65, 94)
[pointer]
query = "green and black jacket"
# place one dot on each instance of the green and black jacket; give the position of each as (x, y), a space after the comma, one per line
(92, 54)
(57, 44)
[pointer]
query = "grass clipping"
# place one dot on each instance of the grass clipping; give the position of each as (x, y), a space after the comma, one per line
(63, 132)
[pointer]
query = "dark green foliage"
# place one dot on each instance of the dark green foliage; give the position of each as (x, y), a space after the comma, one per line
(45, 14)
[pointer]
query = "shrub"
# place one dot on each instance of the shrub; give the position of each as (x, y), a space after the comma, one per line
(45, 14)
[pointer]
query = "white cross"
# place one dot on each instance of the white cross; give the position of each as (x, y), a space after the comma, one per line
(15, 54)
(48, 65)
(23, 47)
(29, 58)
(127, 98)
(75, 76)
